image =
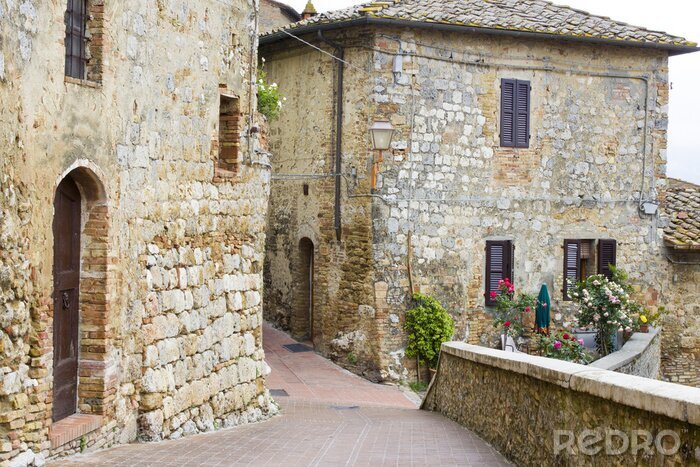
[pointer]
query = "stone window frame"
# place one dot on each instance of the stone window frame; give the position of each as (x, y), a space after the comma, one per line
(94, 49)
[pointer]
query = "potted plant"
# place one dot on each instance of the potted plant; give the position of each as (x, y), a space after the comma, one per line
(562, 346)
(511, 310)
(649, 318)
(428, 325)
(605, 305)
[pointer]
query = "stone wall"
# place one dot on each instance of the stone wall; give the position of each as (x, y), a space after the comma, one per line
(640, 356)
(172, 248)
(680, 341)
(304, 154)
(539, 411)
(447, 186)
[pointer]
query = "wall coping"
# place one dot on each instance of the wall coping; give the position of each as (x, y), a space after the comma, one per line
(631, 351)
(659, 397)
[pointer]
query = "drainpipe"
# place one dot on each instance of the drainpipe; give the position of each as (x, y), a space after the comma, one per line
(340, 54)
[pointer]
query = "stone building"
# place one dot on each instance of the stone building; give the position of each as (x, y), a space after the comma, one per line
(529, 136)
(681, 336)
(274, 14)
(132, 223)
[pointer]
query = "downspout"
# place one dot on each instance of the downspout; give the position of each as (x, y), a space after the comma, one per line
(340, 54)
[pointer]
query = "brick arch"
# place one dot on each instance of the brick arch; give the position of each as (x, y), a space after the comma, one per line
(97, 382)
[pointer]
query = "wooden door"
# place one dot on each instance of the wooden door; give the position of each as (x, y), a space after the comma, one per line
(66, 230)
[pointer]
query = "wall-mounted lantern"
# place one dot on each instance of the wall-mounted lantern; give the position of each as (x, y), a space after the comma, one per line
(381, 133)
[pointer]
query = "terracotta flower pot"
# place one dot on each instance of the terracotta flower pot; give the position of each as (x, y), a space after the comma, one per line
(644, 328)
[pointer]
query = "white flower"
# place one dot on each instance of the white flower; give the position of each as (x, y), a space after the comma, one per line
(263, 59)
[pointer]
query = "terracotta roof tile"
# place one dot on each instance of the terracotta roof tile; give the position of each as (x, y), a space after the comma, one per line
(538, 16)
(682, 206)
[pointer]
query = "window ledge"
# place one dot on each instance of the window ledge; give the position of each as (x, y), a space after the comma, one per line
(82, 82)
(73, 427)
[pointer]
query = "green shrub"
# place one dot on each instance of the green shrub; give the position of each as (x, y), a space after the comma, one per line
(269, 97)
(428, 325)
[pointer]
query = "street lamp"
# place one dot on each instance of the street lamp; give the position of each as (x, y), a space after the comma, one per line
(381, 132)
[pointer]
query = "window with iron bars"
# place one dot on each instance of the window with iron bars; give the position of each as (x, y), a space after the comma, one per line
(76, 38)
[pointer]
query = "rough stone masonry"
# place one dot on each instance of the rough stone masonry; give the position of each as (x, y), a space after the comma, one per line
(598, 119)
(170, 239)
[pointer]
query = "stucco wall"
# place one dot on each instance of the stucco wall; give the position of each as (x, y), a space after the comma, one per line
(172, 342)
(449, 185)
(528, 407)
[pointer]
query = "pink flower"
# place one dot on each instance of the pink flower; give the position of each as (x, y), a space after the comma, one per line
(557, 345)
(544, 305)
(507, 324)
(581, 341)
(494, 294)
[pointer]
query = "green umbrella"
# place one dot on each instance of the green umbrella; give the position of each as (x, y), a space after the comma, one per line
(542, 313)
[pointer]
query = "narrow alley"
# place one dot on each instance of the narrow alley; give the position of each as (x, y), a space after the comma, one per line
(328, 417)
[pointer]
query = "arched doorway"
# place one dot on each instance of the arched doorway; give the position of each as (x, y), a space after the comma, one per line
(305, 302)
(66, 298)
(82, 331)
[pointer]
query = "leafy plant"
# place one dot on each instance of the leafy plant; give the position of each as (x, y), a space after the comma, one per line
(418, 386)
(511, 309)
(605, 305)
(428, 325)
(562, 346)
(652, 318)
(352, 358)
(269, 97)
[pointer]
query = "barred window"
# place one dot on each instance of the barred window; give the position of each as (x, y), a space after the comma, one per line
(76, 38)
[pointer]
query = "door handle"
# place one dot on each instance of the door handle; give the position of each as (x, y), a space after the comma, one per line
(66, 301)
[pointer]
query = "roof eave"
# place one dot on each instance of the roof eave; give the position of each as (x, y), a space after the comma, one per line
(367, 20)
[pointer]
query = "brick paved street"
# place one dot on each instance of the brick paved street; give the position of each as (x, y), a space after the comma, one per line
(331, 417)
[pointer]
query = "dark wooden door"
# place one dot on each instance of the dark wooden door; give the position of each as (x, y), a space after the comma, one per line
(66, 230)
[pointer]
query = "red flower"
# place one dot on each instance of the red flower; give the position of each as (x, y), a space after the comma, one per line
(507, 324)
(494, 294)
(527, 309)
(566, 336)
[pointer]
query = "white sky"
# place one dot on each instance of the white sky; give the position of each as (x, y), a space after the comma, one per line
(678, 17)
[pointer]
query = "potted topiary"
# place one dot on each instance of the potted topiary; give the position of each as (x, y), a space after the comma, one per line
(428, 325)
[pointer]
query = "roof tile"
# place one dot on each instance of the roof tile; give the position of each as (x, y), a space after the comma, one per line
(539, 16)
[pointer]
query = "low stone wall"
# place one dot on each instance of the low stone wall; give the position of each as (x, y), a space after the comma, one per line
(540, 411)
(640, 356)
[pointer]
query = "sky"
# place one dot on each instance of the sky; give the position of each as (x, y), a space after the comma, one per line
(677, 17)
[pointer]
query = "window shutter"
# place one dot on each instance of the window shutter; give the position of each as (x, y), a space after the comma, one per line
(499, 266)
(607, 256)
(508, 100)
(522, 114)
(572, 260)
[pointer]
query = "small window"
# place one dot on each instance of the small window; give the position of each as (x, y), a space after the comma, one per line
(229, 133)
(306, 189)
(515, 113)
(580, 260)
(84, 40)
(499, 266)
(76, 38)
